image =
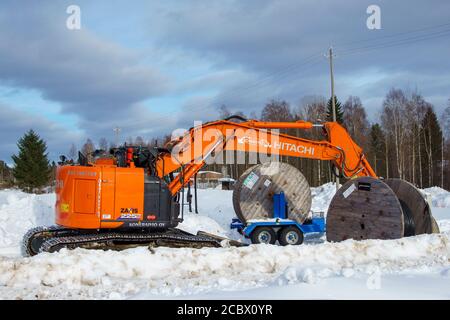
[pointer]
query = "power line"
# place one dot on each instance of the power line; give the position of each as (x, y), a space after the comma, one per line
(288, 70)
(399, 42)
(279, 75)
(393, 35)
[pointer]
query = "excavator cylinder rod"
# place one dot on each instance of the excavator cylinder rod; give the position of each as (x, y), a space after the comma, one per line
(281, 125)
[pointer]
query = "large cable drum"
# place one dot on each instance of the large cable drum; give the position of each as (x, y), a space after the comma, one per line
(369, 208)
(364, 208)
(413, 204)
(253, 192)
(236, 195)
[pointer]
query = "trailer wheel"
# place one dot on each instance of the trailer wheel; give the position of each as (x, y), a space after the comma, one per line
(263, 235)
(290, 235)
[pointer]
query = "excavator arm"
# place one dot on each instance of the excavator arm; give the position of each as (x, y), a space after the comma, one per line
(191, 151)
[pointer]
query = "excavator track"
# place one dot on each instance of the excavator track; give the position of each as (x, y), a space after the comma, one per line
(52, 239)
(34, 238)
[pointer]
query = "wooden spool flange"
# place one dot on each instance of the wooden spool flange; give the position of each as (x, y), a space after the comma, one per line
(253, 193)
(364, 208)
(413, 203)
(434, 226)
(238, 185)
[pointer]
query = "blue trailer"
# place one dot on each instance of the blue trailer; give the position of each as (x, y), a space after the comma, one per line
(279, 228)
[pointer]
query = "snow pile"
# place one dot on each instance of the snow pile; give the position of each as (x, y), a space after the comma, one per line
(321, 197)
(261, 269)
(20, 211)
(439, 197)
(174, 272)
(215, 213)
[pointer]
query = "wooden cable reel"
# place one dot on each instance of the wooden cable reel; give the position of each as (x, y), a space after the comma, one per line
(253, 192)
(369, 208)
(236, 195)
(414, 204)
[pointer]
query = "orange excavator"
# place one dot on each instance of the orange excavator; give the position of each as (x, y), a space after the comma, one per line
(132, 195)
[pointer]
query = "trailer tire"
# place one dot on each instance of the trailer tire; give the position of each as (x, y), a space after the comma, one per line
(263, 235)
(290, 236)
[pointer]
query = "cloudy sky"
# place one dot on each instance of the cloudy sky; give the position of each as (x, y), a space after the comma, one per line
(149, 67)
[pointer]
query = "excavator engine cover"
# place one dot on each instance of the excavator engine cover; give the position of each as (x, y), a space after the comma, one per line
(110, 197)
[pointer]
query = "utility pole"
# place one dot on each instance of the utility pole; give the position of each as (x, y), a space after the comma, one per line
(117, 132)
(333, 102)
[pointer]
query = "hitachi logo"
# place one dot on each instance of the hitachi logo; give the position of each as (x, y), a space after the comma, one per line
(278, 145)
(294, 148)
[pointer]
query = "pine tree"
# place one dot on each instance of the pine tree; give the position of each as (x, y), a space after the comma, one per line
(31, 165)
(339, 112)
(377, 147)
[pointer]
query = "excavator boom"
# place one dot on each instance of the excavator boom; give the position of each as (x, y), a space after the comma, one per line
(191, 151)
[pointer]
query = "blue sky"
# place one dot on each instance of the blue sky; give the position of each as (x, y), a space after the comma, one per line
(153, 66)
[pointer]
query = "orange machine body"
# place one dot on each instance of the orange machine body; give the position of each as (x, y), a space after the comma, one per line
(137, 189)
(99, 196)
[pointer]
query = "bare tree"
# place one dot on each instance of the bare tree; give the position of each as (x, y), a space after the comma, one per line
(224, 112)
(313, 109)
(72, 151)
(445, 121)
(393, 121)
(88, 149)
(103, 144)
(445, 168)
(355, 120)
(432, 137)
(276, 111)
(153, 143)
(139, 141)
(416, 108)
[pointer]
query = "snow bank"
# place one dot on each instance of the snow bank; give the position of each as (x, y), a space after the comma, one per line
(141, 273)
(215, 214)
(321, 197)
(175, 272)
(439, 197)
(20, 211)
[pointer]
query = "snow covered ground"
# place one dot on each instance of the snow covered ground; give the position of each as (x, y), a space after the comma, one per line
(408, 268)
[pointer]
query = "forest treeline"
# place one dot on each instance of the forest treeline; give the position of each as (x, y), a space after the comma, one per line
(409, 140)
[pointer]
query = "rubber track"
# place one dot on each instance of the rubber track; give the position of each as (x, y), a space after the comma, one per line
(174, 235)
(32, 233)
